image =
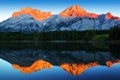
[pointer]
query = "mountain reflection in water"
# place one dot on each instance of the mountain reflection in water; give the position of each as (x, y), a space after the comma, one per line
(74, 58)
(75, 69)
(37, 65)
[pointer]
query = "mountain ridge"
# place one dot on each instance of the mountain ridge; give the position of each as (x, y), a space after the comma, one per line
(37, 14)
(75, 21)
(76, 10)
(73, 11)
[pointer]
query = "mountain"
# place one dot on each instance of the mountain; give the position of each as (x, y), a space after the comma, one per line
(72, 18)
(37, 14)
(74, 62)
(22, 23)
(60, 23)
(77, 11)
(27, 57)
(77, 69)
(110, 16)
(37, 65)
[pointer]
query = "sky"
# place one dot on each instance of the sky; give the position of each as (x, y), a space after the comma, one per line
(7, 7)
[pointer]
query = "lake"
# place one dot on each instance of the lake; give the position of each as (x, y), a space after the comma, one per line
(59, 61)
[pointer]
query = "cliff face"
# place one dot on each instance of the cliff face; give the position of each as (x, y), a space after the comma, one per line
(74, 62)
(73, 11)
(37, 14)
(111, 63)
(37, 65)
(77, 69)
(110, 16)
(77, 11)
(73, 18)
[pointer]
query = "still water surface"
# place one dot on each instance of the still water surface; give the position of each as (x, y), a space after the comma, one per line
(59, 61)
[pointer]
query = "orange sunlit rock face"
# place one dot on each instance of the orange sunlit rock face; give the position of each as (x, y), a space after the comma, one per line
(110, 63)
(37, 14)
(71, 11)
(77, 11)
(38, 65)
(77, 69)
(110, 16)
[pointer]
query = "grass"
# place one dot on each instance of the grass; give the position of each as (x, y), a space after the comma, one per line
(102, 37)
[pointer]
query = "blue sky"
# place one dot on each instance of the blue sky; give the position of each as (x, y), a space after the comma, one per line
(7, 7)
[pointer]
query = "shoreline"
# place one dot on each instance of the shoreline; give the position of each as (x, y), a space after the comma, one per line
(58, 41)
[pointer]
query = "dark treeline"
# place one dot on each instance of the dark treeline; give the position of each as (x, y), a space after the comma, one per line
(51, 36)
(114, 33)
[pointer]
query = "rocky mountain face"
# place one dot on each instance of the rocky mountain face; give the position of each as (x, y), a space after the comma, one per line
(20, 23)
(74, 62)
(110, 16)
(37, 65)
(77, 11)
(28, 56)
(37, 14)
(72, 18)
